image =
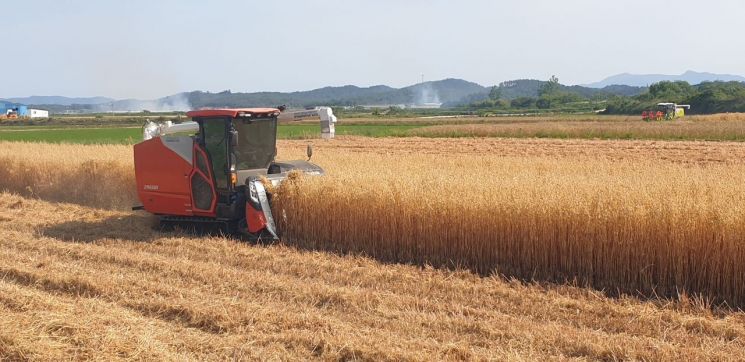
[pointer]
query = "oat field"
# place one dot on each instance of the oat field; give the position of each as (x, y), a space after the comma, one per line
(540, 248)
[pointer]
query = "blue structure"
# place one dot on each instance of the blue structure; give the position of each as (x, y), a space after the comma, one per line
(5, 106)
(20, 109)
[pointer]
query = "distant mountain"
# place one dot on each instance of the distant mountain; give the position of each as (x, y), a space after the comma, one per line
(59, 100)
(520, 88)
(448, 92)
(644, 80)
(618, 90)
(443, 91)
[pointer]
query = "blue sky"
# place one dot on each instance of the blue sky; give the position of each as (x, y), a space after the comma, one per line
(146, 49)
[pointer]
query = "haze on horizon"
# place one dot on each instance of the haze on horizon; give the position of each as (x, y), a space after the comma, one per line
(148, 49)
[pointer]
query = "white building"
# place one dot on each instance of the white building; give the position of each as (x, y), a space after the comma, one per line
(432, 105)
(38, 113)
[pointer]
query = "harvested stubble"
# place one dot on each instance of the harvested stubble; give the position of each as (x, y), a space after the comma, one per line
(690, 152)
(723, 127)
(546, 118)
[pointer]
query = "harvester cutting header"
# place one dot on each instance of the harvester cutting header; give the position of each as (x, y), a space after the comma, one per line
(209, 170)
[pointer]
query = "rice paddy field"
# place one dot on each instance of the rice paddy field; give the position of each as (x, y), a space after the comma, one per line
(411, 248)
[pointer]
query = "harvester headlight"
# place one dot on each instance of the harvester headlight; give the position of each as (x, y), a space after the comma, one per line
(252, 193)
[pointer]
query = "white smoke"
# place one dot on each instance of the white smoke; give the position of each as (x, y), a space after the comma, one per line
(175, 103)
(427, 94)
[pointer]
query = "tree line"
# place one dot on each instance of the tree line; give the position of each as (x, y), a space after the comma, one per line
(704, 98)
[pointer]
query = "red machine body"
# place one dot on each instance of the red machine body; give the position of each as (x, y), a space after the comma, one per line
(165, 178)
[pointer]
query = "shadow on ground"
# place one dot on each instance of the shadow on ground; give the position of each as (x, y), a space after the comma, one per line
(141, 228)
(134, 227)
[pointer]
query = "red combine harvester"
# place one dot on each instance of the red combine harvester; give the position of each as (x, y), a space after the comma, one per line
(209, 171)
(667, 111)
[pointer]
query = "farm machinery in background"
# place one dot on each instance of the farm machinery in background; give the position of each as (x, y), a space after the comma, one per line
(20, 111)
(666, 111)
(213, 170)
(10, 114)
(325, 114)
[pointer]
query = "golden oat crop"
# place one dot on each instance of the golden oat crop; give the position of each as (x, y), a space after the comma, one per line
(649, 227)
(653, 218)
(99, 176)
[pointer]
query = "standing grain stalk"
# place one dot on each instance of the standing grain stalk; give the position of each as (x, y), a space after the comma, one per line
(641, 225)
(642, 228)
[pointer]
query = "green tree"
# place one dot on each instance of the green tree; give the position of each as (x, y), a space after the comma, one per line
(550, 88)
(714, 97)
(671, 91)
(523, 102)
(544, 102)
(495, 93)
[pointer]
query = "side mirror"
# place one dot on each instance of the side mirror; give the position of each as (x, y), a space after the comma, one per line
(309, 152)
